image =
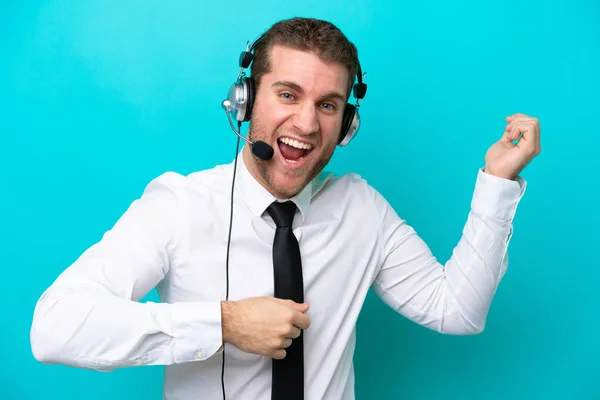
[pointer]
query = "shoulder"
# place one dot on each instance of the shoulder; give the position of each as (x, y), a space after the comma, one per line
(352, 199)
(198, 181)
(178, 185)
(350, 188)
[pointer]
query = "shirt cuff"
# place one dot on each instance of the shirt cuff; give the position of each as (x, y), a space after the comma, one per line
(197, 329)
(496, 197)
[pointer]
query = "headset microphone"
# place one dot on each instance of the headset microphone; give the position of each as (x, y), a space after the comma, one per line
(259, 148)
(262, 150)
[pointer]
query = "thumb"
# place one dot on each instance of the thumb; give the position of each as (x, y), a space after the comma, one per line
(511, 135)
(302, 307)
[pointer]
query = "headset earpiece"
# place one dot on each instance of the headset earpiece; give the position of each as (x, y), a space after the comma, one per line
(351, 118)
(241, 99)
(242, 92)
(251, 95)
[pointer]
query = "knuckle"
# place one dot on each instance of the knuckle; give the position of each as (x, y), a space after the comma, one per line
(287, 330)
(284, 332)
(289, 318)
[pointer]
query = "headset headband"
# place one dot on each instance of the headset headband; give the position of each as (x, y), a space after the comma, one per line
(359, 90)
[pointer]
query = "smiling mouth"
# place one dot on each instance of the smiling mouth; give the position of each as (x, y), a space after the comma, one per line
(293, 150)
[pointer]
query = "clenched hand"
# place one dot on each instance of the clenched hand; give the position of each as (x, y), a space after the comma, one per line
(506, 159)
(263, 325)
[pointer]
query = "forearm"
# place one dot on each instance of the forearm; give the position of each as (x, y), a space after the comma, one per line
(453, 298)
(86, 326)
(91, 316)
(228, 320)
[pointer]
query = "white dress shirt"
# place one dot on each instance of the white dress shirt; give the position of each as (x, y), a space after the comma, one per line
(175, 237)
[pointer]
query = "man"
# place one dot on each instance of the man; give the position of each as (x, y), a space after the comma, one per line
(222, 329)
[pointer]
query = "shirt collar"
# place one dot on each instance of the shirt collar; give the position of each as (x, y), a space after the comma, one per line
(258, 198)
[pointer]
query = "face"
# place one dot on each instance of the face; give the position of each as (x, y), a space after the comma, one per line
(298, 111)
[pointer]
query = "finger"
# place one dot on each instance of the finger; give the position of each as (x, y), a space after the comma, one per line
(517, 115)
(302, 307)
(279, 354)
(294, 332)
(519, 120)
(287, 342)
(531, 124)
(529, 141)
(513, 133)
(510, 134)
(301, 321)
(529, 131)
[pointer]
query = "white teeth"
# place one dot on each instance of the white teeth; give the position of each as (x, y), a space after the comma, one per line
(295, 143)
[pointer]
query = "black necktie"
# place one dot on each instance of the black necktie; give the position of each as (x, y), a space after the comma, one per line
(288, 374)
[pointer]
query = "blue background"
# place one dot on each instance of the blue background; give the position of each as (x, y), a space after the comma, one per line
(99, 97)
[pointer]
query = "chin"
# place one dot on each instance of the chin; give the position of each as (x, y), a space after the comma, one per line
(286, 178)
(285, 186)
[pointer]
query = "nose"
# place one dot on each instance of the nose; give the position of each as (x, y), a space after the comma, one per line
(305, 119)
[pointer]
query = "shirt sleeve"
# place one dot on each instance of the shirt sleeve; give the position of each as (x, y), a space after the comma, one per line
(91, 315)
(453, 298)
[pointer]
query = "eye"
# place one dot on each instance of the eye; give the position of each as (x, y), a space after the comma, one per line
(329, 106)
(287, 96)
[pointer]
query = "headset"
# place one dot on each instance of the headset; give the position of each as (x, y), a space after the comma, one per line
(239, 104)
(241, 96)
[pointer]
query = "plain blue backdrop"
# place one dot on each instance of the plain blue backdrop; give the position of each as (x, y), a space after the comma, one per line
(99, 97)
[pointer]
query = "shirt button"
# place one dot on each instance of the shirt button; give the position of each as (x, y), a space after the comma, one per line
(199, 355)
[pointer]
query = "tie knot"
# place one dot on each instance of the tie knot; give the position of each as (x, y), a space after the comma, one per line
(282, 213)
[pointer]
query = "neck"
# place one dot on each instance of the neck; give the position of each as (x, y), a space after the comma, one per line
(252, 167)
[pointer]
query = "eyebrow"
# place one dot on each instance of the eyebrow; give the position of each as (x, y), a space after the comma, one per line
(294, 86)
